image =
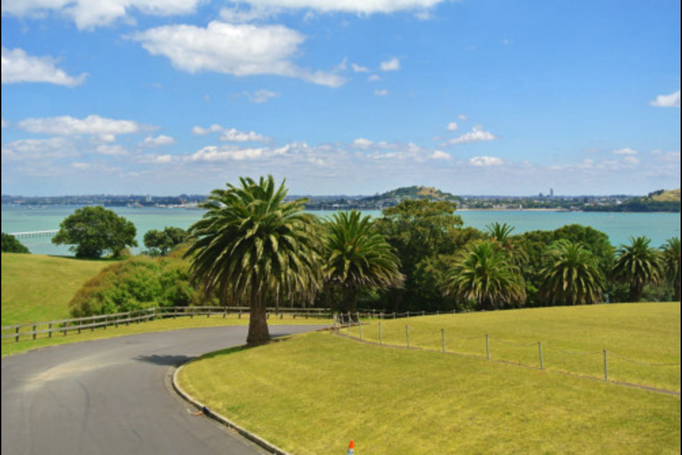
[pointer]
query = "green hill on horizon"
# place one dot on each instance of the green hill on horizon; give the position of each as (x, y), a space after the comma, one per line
(420, 192)
(666, 196)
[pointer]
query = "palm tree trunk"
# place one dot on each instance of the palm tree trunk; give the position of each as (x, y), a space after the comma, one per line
(350, 301)
(259, 332)
(636, 290)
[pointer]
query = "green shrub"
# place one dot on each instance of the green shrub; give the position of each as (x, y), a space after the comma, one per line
(134, 284)
(10, 244)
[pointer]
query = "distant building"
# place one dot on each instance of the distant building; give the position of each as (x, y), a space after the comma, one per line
(551, 192)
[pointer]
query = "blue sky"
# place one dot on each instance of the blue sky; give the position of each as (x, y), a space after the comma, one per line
(340, 96)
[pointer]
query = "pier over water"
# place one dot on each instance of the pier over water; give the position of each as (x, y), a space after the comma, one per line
(34, 234)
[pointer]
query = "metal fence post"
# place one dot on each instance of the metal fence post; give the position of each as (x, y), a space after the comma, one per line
(606, 367)
(542, 362)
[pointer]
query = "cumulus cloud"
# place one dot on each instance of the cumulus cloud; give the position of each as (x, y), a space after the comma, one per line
(103, 128)
(88, 14)
(485, 161)
(158, 141)
(453, 126)
(4, 123)
(382, 92)
(359, 69)
(18, 66)
(38, 149)
(391, 65)
(477, 134)
(440, 155)
(111, 150)
(239, 50)
(362, 143)
(374, 78)
(230, 134)
(672, 100)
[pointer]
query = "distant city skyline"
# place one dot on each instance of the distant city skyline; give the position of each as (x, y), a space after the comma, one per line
(474, 97)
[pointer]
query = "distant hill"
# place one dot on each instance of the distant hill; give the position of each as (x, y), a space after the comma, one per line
(420, 192)
(666, 196)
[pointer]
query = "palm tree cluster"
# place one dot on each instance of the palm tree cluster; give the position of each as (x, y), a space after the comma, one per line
(253, 246)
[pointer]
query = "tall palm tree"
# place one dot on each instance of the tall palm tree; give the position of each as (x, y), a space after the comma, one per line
(356, 256)
(637, 264)
(671, 264)
(253, 246)
(485, 274)
(571, 275)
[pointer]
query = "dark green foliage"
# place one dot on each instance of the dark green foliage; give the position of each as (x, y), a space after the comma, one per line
(571, 275)
(637, 265)
(486, 275)
(253, 247)
(94, 231)
(358, 257)
(10, 244)
(160, 243)
(424, 234)
(671, 265)
(134, 284)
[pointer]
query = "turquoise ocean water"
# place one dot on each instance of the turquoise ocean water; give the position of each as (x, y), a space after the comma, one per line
(618, 226)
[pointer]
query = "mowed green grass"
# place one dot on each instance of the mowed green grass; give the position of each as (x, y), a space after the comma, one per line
(314, 393)
(642, 340)
(38, 288)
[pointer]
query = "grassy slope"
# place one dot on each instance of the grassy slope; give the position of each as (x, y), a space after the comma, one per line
(573, 338)
(39, 288)
(329, 390)
(668, 196)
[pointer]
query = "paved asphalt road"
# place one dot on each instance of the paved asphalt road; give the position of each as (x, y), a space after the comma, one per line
(113, 397)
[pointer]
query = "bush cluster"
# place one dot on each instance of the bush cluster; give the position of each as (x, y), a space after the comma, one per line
(137, 283)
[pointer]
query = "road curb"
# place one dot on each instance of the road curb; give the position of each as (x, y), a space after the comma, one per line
(223, 420)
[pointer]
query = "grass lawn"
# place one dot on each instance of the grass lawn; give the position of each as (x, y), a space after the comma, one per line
(314, 393)
(573, 339)
(39, 288)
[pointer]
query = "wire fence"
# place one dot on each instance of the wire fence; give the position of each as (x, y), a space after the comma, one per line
(35, 330)
(604, 364)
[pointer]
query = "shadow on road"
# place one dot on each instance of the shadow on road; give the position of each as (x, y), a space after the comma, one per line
(165, 360)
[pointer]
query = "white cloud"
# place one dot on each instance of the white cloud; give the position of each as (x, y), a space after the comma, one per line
(631, 161)
(359, 69)
(89, 14)
(362, 7)
(485, 161)
(477, 134)
(439, 155)
(239, 50)
(462, 117)
(151, 158)
(158, 141)
(4, 123)
(391, 65)
(105, 129)
(672, 100)
(39, 149)
(626, 152)
(453, 126)
(231, 134)
(374, 78)
(362, 143)
(226, 153)
(111, 150)
(382, 92)
(17, 66)
(261, 96)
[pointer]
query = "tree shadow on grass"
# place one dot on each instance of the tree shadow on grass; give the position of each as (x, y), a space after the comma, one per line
(165, 360)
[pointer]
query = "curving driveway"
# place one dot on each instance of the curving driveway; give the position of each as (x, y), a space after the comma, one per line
(113, 397)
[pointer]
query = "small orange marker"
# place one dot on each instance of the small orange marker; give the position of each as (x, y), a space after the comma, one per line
(351, 448)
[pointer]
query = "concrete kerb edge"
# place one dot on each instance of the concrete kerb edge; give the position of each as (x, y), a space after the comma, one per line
(223, 420)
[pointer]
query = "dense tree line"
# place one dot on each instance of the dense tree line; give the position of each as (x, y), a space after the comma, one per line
(254, 247)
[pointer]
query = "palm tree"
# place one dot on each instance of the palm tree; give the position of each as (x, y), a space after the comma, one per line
(501, 235)
(252, 246)
(571, 275)
(637, 264)
(357, 256)
(485, 274)
(671, 264)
